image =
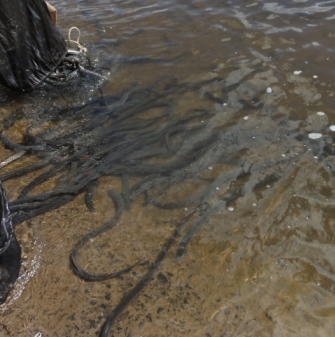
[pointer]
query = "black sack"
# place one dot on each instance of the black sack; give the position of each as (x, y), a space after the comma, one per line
(10, 250)
(31, 46)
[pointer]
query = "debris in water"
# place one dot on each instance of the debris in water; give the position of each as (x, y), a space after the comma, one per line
(314, 135)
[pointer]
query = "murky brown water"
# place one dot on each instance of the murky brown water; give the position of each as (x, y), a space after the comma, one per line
(262, 266)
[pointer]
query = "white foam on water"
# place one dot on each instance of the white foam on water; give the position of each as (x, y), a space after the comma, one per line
(332, 128)
(314, 135)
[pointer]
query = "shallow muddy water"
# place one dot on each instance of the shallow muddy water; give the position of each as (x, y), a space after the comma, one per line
(256, 256)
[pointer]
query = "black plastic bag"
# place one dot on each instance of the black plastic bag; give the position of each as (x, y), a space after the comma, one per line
(10, 250)
(31, 46)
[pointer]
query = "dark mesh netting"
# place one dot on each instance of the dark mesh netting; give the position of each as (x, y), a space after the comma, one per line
(31, 46)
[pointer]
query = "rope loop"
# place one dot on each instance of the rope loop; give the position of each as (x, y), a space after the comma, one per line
(76, 42)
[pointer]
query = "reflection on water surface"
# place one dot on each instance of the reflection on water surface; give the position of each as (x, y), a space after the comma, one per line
(256, 257)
